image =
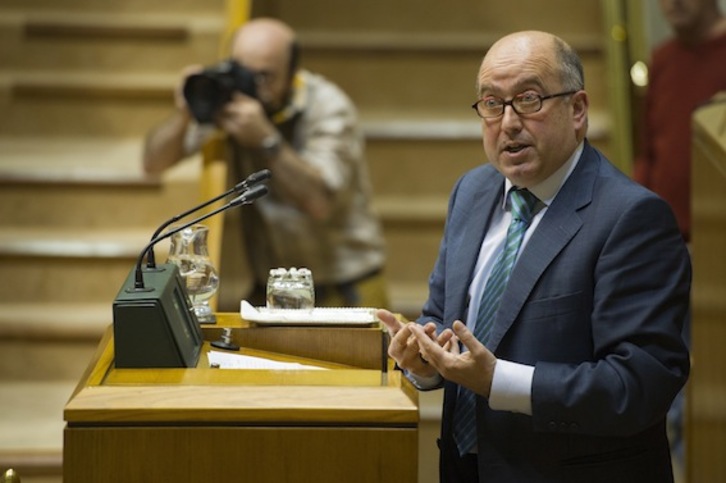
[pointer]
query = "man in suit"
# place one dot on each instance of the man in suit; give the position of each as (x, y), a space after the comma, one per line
(575, 364)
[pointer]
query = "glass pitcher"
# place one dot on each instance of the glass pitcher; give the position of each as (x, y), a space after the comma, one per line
(189, 252)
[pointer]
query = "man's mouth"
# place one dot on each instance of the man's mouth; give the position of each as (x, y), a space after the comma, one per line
(514, 148)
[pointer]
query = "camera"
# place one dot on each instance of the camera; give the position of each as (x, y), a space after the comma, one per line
(212, 88)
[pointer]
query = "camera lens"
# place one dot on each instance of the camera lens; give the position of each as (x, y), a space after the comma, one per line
(203, 97)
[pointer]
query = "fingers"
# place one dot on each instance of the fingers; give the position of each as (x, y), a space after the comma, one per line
(453, 346)
(467, 338)
(449, 341)
(191, 70)
(390, 321)
(473, 368)
(239, 96)
(427, 347)
(404, 346)
(418, 348)
(426, 338)
(441, 352)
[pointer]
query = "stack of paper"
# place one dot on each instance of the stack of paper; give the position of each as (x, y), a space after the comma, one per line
(226, 360)
(316, 316)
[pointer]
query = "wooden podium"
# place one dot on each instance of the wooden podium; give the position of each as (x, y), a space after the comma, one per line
(706, 406)
(355, 422)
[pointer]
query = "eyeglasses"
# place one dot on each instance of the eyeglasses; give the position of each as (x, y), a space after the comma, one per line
(524, 103)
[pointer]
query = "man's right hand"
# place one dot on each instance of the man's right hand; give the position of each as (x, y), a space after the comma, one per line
(404, 347)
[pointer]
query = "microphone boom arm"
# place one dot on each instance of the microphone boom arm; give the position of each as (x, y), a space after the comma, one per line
(250, 181)
(244, 199)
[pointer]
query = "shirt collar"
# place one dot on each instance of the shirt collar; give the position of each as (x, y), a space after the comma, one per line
(548, 189)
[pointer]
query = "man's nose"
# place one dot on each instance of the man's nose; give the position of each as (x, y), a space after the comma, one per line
(510, 118)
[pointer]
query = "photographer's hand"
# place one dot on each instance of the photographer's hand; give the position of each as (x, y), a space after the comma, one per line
(294, 179)
(245, 120)
(164, 145)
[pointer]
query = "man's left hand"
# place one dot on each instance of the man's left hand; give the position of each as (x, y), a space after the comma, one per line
(473, 369)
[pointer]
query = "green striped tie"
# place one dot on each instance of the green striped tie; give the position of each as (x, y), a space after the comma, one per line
(523, 205)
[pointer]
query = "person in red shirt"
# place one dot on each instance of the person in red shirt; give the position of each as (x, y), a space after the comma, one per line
(685, 71)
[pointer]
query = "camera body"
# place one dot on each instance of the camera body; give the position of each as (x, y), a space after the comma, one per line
(209, 90)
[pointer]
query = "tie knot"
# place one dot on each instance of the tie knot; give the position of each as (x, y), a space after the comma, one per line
(523, 203)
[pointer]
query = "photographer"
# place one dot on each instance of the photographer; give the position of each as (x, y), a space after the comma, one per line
(304, 129)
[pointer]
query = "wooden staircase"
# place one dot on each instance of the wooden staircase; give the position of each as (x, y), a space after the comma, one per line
(80, 84)
(81, 81)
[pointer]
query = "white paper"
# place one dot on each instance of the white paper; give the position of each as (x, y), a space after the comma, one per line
(318, 315)
(227, 360)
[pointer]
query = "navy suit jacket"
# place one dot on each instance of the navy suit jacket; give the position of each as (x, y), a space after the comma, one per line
(596, 303)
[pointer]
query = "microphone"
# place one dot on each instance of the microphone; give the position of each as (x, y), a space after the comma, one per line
(156, 326)
(250, 181)
(245, 198)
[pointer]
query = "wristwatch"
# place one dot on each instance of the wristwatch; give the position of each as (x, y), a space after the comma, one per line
(271, 146)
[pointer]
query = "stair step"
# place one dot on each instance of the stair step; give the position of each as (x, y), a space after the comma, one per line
(34, 466)
(412, 253)
(41, 403)
(87, 84)
(140, 41)
(60, 321)
(70, 265)
(64, 242)
(407, 298)
(131, 25)
(425, 157)
(437, 18)
(404, 209)
(444, 124)
(101, 160)
(192, 7)
(72, 206)
(99, 182)
(62, 279)
(366, 71)
(431, 127)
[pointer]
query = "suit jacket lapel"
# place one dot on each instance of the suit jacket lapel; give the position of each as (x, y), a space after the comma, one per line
(483, 199)
(560, 223)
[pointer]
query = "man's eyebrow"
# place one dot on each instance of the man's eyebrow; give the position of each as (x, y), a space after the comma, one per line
(520, 86)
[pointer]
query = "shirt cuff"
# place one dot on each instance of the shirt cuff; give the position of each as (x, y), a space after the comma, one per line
(423, 383)
(512, 387)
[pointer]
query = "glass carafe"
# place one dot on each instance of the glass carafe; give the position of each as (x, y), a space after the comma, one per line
(189, 252)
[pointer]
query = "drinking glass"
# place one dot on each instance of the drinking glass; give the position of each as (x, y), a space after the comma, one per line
(290, 289)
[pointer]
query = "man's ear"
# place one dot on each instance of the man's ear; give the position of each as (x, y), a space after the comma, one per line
(580, 105)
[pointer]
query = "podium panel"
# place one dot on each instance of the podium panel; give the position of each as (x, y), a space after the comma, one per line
(243, 453)
(354, 421)
(706, 402)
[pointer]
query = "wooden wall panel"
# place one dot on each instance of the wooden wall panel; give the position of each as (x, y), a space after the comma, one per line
(706, 427)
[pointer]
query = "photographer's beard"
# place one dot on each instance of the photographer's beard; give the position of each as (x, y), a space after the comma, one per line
(274, 106)
(290, 104)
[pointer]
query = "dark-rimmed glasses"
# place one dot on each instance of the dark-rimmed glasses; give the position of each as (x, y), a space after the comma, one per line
(525, 103)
